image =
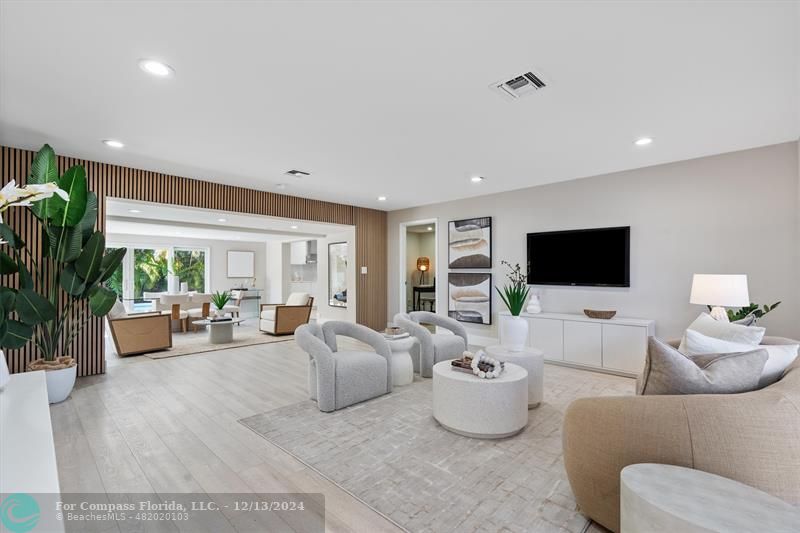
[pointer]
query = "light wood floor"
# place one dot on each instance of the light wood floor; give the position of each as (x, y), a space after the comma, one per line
(171, 425)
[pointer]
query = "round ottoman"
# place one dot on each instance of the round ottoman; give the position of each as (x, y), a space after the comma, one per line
(402, 365)
(658, 498)
(480, 408)
(531, 360)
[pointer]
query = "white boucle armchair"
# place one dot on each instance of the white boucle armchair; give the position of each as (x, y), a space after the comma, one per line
(339, 378)
(433, 347)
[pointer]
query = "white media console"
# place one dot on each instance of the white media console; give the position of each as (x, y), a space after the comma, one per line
(618, 345)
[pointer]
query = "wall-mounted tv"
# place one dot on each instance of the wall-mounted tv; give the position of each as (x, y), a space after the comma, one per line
(597, 257)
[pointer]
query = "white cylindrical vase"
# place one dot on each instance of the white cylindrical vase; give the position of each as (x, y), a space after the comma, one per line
(173, 284)
(513, 332)
(184, 287)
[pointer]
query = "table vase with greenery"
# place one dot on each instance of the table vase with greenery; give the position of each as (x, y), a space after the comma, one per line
(514, 328)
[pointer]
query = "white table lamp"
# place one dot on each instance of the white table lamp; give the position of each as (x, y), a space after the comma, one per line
(720, 291)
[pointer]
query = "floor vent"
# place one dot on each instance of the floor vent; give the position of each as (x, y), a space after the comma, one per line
(519, 86)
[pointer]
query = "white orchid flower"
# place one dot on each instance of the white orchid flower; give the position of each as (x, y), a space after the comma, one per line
(11, 195)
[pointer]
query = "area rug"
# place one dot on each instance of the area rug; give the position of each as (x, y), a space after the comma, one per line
(193, 342)
(391, 454)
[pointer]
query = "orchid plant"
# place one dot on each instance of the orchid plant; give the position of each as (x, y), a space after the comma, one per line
(57, 293)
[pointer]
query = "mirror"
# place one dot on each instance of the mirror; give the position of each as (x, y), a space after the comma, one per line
(337, 274)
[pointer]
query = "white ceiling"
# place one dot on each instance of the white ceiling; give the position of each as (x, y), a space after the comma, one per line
(126, 217)
(391, 98)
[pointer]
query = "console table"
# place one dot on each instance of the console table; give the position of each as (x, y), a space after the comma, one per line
(616, 345)
(417, 291)
(27, 454)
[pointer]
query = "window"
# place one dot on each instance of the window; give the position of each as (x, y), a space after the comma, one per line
(190, 266)
(146, 269)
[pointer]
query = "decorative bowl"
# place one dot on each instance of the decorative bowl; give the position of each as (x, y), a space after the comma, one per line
(603, 315)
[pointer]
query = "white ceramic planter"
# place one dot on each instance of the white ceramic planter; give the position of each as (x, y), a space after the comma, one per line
(60, 383)
(173, 284)
(513, 332)
(4, 376)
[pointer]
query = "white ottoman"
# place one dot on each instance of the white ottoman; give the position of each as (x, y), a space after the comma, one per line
(658, 498)
(531, 360)
(480, 408)
(402, 365)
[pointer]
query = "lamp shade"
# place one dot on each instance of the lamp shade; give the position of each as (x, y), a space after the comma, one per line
(725, 290)
(423, 264)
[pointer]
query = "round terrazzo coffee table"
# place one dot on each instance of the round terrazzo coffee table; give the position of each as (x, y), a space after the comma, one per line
(657, 498)
(531, 360)
(480, 408)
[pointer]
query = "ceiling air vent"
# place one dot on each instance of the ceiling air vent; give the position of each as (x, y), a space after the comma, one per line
(297, 173)
(519, 86)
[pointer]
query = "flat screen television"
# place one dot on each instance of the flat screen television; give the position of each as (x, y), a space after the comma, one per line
(597, 257)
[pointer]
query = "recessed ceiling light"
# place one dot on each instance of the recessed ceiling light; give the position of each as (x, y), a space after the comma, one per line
(430, 228)
(476, 179)
(222, 220)
(280, 186)
(113, 143)
(134, 211)
(381, 198)
(156, 68)
(293, 227)
(644, 141)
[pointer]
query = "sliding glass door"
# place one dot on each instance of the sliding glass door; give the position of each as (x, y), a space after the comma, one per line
(189, 264)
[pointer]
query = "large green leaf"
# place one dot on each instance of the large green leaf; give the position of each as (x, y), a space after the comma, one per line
(88, 264)
(7, 234)
(69, 212)
(89, 219)
(32, 308)
(71, 281)
(7, 297)
(7, 264)
(44, 169)
(65, 243)
(14, 334)
(25, 279)
(110, 263)
(101, 300)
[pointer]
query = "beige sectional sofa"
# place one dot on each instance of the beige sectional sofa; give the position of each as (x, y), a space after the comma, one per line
(752, 437)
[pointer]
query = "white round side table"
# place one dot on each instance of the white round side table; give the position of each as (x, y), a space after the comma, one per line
(658, 498)
(531, 360)
(480, 408)
(402, 365)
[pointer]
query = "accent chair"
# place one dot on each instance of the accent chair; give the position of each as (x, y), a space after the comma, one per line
(283, 319)
(139, 333)
(339, 378)
(235, 307)
(433, 347)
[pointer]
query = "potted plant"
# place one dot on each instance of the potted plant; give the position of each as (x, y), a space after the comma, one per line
(513, 328)
(220, 300)
(57, 294)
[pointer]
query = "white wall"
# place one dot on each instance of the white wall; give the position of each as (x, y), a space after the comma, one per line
(218, 251)
(730, 213)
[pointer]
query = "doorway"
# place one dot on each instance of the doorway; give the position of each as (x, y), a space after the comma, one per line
(419, 263)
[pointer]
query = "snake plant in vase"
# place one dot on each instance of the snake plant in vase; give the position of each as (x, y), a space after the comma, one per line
(56, 293)
(514, 328)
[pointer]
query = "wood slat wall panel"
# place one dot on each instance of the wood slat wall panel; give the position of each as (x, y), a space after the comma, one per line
(115, 181)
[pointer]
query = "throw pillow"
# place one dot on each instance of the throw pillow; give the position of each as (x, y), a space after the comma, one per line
(726, 331)
(780, 355)
(668, 371)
